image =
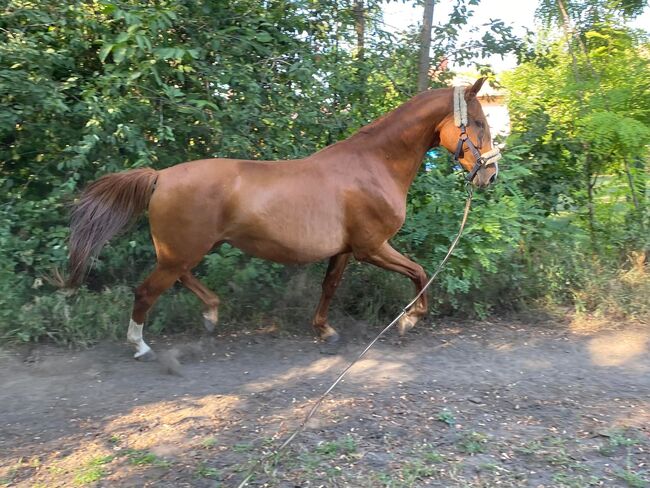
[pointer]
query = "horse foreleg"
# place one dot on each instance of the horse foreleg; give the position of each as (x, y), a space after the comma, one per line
(145, 295)
(332, 279)
(388, 258)
(211, 300)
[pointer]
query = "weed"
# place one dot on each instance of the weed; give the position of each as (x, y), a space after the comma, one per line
(138, 457)
(92, 471)
(564, 480)
(531, 447)
(89, 475)
(433, 457)
(330, 449)
(616, 439)
(308, 461)
(209, 442)
(242, 447)
(492, 467)
(204, 471)
(473, 443)
(101, 460)
(633, 479)
(416, 470)
(447, 417)
(386, 480)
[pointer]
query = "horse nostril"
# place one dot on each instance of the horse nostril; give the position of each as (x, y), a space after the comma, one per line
(493, 178)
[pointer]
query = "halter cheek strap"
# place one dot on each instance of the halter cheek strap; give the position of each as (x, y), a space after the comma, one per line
(460, 119)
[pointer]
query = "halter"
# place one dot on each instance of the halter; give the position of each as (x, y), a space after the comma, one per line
(460, 119)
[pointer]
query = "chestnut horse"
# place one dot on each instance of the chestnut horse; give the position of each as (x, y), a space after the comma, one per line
(346, 200)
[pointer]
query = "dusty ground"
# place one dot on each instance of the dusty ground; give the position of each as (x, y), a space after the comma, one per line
(465, 404)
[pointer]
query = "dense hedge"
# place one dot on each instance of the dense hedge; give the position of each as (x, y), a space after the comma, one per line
(89, 88)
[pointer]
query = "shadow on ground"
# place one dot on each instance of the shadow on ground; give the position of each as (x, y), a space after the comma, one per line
(466, 404)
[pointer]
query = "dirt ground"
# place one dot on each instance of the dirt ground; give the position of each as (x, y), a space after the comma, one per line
(498, 403)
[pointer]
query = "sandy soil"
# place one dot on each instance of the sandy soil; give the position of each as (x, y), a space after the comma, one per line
(503, 403)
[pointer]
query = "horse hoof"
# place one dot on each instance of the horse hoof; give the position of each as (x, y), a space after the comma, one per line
(405, 324)
(332, 338)
(209, 325)
(145, 356)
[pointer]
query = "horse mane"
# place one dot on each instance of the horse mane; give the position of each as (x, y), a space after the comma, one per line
(394, 122)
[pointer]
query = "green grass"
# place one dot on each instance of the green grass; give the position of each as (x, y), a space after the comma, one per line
(433, 457)
(473, 443)
(243, 447)
(347, 445)
(209, 442)
(204, 471)
(616, 439)
(447, 417)
(92, 471)
(139, 457)
(632, 478)
(416, 470)
(89, 475)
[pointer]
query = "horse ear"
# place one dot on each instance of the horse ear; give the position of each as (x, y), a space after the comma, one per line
(473, 91)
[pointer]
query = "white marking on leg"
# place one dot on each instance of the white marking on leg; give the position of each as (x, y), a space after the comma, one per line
(134, 336)
(212, 315)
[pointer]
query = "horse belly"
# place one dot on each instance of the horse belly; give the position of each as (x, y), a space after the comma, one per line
(284, 252)
(290, 236)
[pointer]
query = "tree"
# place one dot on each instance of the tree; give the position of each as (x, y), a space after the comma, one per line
(583, 121)
(425, 45)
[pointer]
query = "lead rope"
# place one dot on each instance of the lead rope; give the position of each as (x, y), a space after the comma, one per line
(301, 427)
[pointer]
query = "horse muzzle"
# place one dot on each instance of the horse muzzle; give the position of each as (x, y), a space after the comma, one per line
(486, 168)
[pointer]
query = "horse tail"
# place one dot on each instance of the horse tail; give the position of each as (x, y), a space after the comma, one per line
(105, 208)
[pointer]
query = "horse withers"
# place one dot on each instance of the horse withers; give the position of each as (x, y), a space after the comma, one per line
(346, 200)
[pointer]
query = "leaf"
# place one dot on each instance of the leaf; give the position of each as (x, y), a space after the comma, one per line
(105, 51)
(165, 52)
(119, 52)
(263, 37)
(123, 37)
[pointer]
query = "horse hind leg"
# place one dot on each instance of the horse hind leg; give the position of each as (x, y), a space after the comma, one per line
(210, 299)
(146, 294)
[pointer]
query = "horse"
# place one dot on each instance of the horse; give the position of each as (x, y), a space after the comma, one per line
(346, 200)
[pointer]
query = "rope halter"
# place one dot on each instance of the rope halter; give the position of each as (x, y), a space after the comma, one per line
(460, 120)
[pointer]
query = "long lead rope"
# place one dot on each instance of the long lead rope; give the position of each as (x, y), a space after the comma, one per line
(301, 427)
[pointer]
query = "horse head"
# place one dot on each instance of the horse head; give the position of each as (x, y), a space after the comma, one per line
(466, 134)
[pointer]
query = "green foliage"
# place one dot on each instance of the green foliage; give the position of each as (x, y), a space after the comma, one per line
(580, 122)
(80, 317)
(92, 88)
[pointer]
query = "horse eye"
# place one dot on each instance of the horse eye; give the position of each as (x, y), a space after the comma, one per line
(479, 124)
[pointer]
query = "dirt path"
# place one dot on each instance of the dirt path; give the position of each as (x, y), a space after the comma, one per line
(471, 404)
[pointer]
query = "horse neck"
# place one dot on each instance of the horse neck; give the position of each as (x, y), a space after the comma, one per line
(400, 139)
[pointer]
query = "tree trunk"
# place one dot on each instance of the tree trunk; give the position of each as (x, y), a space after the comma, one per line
(589, 184)
(425, 46)
(630, 182)
(360, 28)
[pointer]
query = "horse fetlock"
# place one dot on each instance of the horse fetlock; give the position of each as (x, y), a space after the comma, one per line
(406, 323)
(134, 336)
(210, 319)
(327, 333)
